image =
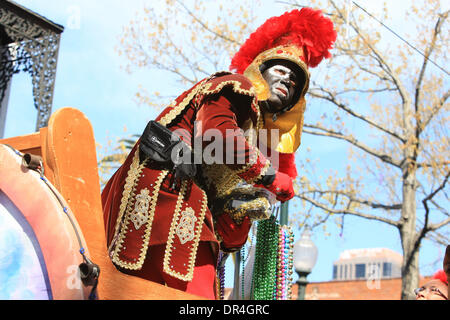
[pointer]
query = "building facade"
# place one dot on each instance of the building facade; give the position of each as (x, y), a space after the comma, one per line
(382, 289)
(367, 264)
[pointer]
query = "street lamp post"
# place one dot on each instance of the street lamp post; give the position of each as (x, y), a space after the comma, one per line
(305, 257)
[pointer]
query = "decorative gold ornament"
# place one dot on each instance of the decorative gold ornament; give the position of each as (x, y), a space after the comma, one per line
(139, 216)
(185, 229)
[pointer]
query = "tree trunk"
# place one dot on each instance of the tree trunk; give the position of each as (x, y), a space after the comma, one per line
(410, 273)
(410, 265)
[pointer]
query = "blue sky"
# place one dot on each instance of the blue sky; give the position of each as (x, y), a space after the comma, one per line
(90, 78)
(21, 277)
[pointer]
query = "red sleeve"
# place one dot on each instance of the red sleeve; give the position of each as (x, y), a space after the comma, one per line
(223, 141)
(232, 235)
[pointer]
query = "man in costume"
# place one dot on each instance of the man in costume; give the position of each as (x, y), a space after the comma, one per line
(159, 226)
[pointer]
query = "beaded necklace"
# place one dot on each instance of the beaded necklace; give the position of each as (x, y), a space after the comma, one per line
(246, 252)
(272, 273)
(221, 275)
(265, 268)
(243, 272)
(285, 263)
(273, 265)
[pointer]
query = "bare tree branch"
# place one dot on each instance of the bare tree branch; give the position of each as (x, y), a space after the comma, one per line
(352, 198)
(428, 52)
(349, 212)
(436, 108)
(332, 98)
(426, 227)
(436, 226)
(382, 61)
(204, 26)
(365, 91)
(338, 135)
(438, 238)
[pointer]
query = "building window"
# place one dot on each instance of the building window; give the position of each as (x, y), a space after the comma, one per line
(334, 272)
(345, 272)
(387, 269)
(360, 271)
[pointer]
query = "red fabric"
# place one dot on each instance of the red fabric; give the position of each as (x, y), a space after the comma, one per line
(282, 187)
(233, 235)
(218, 116)
(287, 164)
(203, 283)
(225, 109)
(166, 202)
(283, 162)
(306, 28)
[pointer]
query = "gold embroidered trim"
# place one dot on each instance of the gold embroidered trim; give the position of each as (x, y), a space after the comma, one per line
(148, 230)
(173, 225)
(169, 117)
(139, 216)
(128, 191)
(185, 229)
(256, 209)
(127, 208)
(236, 88)
(168, 253)
(224, 180)
(203, 88)
(262, 172)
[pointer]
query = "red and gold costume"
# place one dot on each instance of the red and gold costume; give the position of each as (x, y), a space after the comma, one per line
(142, 210)
(167, 233)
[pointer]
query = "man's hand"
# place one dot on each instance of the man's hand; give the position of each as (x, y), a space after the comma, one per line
(282, 186)
(234, 236)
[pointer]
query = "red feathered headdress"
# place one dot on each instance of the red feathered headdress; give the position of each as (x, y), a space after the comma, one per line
(303, 37)
(306, 29)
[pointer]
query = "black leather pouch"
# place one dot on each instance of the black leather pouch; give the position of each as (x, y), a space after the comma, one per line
(165, 148)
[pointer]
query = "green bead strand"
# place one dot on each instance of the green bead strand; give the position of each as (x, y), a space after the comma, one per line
(265, 267)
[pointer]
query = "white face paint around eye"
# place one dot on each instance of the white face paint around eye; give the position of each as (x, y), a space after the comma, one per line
(282, 84)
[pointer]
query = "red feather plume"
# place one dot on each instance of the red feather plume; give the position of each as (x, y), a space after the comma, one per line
(440, 275)
(306, 28)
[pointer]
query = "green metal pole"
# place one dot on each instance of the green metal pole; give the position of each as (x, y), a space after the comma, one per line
(302, 282)
(284, 214)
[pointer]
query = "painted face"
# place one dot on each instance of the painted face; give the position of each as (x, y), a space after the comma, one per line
(282, 83)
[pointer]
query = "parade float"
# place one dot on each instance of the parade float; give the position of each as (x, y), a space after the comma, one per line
(52, 239)
(53, 243)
